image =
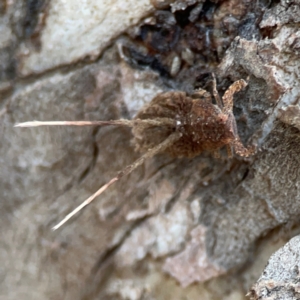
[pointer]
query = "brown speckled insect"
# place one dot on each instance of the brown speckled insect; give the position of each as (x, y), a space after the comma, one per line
(177, 124)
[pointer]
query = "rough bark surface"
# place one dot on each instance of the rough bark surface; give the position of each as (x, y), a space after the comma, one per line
(175, 228)
(280, 279)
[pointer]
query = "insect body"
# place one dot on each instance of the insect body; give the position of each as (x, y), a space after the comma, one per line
(177, 124)
(203, 126)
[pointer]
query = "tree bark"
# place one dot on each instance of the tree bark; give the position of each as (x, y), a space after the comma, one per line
(176, 227)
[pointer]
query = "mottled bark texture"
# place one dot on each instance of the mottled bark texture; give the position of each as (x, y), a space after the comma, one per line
(280, 279)
(172, 223)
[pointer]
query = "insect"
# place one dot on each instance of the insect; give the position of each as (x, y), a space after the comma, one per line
(177, 124)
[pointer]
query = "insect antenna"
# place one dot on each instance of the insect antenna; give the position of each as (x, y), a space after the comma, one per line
(126, 171)
(121, 122)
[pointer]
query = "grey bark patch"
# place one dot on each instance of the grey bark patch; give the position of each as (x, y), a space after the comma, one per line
(280, 279)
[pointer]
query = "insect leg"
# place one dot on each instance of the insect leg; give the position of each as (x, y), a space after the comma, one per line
(241, 150)
(216, 154)
(216, 93)
(228, 95)
(229, 151)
